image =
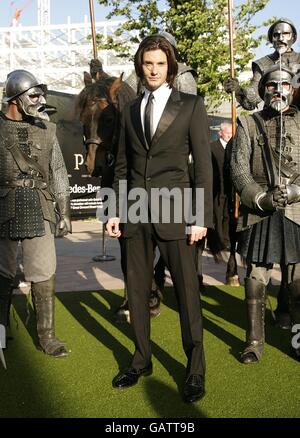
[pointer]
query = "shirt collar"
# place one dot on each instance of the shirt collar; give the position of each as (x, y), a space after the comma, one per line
(163, 90)
(223, 142)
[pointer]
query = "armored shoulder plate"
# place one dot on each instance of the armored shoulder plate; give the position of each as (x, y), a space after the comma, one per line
(249, 125)
(263, 64)
(182, 68)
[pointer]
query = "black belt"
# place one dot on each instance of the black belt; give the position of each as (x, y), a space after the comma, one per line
(25, 182)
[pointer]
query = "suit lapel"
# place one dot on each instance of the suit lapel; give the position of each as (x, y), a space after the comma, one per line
(168, 116)
(135, 112)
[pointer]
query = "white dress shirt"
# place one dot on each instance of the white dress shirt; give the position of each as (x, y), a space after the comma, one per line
(160, 99)
(223, 142)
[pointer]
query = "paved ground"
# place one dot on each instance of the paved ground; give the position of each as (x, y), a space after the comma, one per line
(76, 270)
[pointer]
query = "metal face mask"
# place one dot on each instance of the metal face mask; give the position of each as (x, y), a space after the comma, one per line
(278, 90)
(283, 37)
(32, 102)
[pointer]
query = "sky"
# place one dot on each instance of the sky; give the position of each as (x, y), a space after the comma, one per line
(76, 9)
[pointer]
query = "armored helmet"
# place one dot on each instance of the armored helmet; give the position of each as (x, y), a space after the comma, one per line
(276, 88)
(276, 75)
(169, 38)
(282, 20)
(20, 81)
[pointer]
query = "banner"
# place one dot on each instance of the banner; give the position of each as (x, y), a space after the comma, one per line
(83, 187)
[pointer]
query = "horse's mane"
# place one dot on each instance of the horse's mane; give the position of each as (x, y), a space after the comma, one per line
(100, 88)
(125, 94)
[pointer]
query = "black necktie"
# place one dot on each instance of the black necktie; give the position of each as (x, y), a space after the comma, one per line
(148, 119)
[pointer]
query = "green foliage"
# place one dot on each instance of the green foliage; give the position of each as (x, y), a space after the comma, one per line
(200, 28)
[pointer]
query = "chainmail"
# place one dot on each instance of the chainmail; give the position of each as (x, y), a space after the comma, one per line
(22, 209)
(247, 163)
(30, 223)
(250, 98)
(58, 178)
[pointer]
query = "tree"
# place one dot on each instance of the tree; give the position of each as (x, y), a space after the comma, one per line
(200, 28)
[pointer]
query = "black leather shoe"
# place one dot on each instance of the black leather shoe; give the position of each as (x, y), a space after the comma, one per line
(131, 377)
(193, 388)
(283, 320)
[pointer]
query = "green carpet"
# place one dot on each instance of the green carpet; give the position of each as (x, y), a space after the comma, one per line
(36, 385)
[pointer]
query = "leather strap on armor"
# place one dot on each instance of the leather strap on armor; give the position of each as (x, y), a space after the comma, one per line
(271, 157)
(266, 150)
(25, 163)
(25, 182)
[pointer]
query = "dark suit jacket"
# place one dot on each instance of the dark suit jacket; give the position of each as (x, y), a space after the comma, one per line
(182, 129)
(218, 239)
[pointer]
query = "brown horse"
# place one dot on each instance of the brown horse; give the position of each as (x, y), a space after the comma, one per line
(99, 107)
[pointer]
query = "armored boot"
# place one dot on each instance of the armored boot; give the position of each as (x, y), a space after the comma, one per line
(6, 288)
(43, 297)
(255, 335)
(294, 289)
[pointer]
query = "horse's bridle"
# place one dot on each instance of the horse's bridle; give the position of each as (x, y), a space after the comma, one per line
(109, 155)
(93, 141)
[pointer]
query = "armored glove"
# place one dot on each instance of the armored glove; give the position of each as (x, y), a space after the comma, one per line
(293, 193)
(231, 85)
(63, 226)
(272, 199)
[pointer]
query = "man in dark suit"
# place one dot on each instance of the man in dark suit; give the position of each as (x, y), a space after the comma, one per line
(220, 202)
(158, 132)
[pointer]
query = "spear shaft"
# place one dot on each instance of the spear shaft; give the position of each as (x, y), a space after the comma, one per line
(91, 3)
(233, 104)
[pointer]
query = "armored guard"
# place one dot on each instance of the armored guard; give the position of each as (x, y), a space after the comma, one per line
(282, 35)
(265, 168)
(34, 201)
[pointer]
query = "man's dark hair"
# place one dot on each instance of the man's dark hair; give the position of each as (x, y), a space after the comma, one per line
(156, 42)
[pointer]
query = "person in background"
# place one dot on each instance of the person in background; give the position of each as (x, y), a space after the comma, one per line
(282, 34)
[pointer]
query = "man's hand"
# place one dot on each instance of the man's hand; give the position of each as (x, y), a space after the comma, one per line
(112, 227)
(293, 193)
(64, 226)
(196, 233)
(272, 199)
(231, 85)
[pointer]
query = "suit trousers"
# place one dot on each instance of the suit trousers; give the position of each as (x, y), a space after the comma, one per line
(179, 258)
(38, 253)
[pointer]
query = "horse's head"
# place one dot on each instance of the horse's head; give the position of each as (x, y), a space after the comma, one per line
(99, 112)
